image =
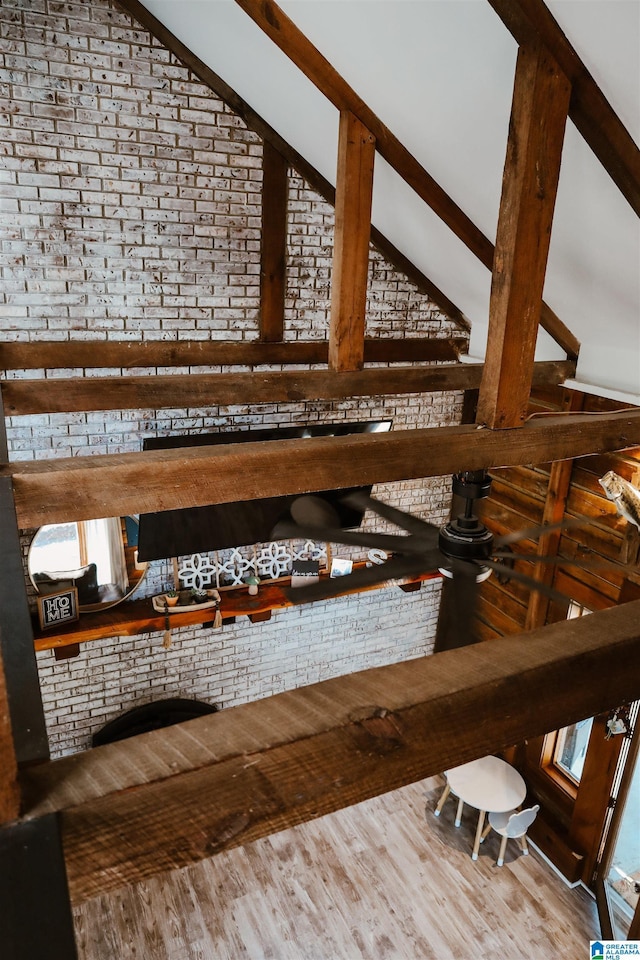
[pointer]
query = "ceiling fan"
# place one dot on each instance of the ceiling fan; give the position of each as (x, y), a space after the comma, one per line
(463, 550)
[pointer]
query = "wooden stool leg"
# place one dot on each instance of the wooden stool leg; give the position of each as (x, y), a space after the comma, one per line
(485, 833)
(459, 812)
(441, 801)
(524, 845)
(503, 847)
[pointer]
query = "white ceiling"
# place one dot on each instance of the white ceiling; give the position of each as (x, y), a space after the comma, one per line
(439, 74)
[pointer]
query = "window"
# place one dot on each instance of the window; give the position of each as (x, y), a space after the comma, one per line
(570, 748)
(576, 610)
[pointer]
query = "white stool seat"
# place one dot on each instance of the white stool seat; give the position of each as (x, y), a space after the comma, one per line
(500, 821)
(511, 825)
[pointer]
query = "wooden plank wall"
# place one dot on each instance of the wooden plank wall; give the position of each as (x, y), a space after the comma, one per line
(517, 502)
(569, 827)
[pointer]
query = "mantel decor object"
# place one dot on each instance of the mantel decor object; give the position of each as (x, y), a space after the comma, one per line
(304, 572)
(340, 567)
(98, 557)
(186, 601)
(252, 584)
(56, 609)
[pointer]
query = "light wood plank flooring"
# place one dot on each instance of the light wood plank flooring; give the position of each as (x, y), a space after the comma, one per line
(383, 880)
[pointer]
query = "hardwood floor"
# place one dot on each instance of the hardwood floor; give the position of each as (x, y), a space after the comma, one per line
(383, 880)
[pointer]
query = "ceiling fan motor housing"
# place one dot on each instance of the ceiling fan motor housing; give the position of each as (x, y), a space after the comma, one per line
(465, 538)
(472, 484)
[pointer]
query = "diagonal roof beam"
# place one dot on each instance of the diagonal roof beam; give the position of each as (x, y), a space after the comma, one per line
(529, 21)
(529, 184)
(286, 35)
(290, 39)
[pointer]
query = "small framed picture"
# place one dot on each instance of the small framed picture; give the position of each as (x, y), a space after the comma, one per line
(341, 568)
(56, 609)
(304, 572)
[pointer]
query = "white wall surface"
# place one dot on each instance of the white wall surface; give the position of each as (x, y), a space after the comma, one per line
(439, 73)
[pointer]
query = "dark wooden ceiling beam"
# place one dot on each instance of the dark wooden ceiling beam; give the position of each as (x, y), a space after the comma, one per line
(529, 185)
(35, 917)
(23, 734)
(81, 488)
(281, 29)
(255, 122)
(9, 569)
(125, 354)
(274, 243)
(350, 267)
(590, 111)
(25, 397)
(290, 758)
(9, 794)
(17, 654)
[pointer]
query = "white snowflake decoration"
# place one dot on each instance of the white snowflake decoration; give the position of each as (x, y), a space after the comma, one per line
(273, 560)
(235, 568)
(310, 551)
(270, 561)
(198, 571)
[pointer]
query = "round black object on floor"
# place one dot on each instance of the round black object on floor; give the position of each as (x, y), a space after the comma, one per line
(150, 716)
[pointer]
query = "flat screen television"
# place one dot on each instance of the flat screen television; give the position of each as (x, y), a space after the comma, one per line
(178, 533)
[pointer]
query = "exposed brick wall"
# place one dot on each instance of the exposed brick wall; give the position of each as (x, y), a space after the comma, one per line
(395, 308)
(132, 193)
(132, 211)
(236, 664)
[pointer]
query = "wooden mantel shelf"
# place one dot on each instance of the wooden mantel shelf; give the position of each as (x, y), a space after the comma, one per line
(138, 616)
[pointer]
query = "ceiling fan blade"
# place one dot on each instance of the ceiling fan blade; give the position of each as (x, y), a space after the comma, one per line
(286, 529)
(421, 528)
(395, 569)
(458, 610)
(532, 533)
(528, 581)
(314, 511)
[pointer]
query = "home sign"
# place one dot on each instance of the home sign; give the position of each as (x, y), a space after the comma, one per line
(56, 609)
